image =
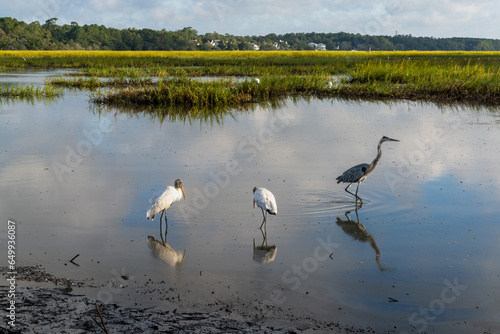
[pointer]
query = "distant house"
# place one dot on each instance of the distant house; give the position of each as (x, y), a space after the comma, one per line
(321, 47)
(255, 47)
(313, 45)
(214, 42)
(317, 47)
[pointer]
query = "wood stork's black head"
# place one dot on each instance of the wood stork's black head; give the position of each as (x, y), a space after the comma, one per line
(178, 185)
(254, 189)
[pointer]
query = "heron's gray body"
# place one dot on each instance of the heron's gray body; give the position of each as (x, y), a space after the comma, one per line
(354, 174)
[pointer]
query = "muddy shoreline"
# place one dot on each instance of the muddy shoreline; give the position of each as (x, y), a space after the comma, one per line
(49, 304)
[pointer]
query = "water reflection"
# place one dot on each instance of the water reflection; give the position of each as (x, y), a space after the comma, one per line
(178, 113)
(166, 253)
(28, 99)
(264, 253)
(437, 197)
(358, 232)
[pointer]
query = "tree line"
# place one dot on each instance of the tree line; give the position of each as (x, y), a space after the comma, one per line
(19, 35)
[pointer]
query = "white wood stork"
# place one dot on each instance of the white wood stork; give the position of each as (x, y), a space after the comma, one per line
(265, 201)
(161, 201)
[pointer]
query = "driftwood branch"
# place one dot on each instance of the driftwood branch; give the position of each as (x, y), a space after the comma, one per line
(101, 324)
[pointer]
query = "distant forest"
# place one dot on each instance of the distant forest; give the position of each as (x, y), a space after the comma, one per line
(18, 35)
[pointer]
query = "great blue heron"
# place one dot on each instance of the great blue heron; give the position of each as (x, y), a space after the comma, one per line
(161, 201)
(265, 201)
(360, 172)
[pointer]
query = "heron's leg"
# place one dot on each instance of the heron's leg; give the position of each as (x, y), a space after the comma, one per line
(349, 191)
(357, 194)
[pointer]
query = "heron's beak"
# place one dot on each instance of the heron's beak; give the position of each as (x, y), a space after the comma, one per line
(183, 195)
(393, 139)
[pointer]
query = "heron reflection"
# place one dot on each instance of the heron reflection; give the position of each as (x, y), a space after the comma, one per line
(166, 253)
(359, 233)
(264, 253)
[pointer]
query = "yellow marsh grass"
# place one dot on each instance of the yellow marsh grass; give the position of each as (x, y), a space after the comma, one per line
(243, 54)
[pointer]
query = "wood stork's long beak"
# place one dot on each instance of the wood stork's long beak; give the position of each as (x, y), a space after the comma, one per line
(183, 195)
(254, 203)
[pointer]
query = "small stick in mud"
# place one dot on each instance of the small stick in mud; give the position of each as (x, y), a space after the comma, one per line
(101, 325)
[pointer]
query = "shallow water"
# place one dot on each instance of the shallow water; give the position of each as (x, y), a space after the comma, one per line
(78, 181)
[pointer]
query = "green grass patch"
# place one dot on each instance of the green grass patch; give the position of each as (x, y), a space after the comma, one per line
(95, 82)
(29, 91)
(422, 80)
(191, 93)
(471, 77)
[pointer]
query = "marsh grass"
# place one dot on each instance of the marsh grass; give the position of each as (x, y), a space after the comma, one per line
(424, 81)
(436, 76)
(194, 94)
(95, 82)
(29, 91)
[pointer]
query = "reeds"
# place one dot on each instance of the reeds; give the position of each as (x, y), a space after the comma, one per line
(195, 94)
(29, 91)
(163, 78)
(423, 80)
(95, 82)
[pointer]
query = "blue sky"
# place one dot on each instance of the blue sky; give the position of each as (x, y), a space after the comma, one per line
(443, 18)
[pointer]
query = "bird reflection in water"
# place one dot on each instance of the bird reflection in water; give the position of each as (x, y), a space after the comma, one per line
(264, 253)
(166, 253)
(359, 233)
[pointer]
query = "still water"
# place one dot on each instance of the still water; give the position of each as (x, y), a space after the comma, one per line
(420, 254)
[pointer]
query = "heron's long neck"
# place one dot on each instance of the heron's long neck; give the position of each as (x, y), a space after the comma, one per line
(377, 158)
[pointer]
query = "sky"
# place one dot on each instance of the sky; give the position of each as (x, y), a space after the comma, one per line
(429, 18)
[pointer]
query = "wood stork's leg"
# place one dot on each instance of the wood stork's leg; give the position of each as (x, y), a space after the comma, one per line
(161, 223)
(166, 226)
(264, 220)
(264, 238)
